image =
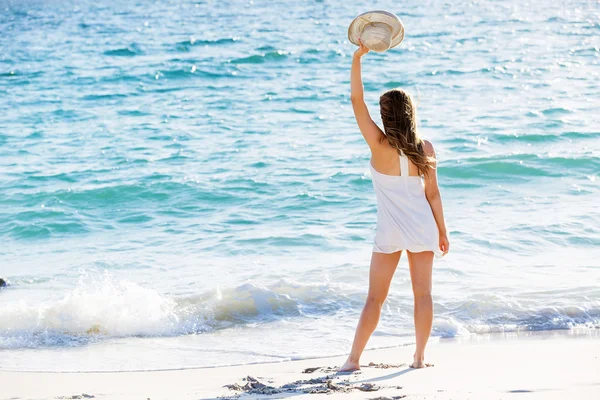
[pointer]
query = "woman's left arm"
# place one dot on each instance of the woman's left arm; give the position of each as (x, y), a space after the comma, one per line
(432, 193)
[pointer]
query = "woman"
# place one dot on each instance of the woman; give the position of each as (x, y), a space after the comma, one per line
(409, 210)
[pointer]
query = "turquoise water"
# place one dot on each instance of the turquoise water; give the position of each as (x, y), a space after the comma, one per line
(182, 183)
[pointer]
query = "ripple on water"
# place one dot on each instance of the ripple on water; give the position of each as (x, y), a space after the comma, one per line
(278, 55)
(122, 52)
(192, 42)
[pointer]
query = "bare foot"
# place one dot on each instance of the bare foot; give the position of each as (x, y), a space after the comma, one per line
(420, 364)
(350, 366)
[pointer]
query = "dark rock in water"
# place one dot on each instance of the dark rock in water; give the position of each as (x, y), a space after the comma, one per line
(2, 282)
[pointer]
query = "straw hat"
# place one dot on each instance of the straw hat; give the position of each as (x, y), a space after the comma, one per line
(379, 30)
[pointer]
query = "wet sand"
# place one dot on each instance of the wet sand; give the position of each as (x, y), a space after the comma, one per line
(549, 365)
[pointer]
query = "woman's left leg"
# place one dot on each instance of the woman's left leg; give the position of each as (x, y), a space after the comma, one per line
(421, 265)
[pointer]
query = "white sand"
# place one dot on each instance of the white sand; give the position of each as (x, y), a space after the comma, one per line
(556, 365)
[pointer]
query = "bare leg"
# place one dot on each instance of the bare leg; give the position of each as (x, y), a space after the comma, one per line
(382, 270)
(421, 265)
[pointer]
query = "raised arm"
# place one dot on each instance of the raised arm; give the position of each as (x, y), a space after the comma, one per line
(432, 193)
(369, 129)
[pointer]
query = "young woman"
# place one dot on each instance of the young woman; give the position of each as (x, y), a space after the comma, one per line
(409, 210)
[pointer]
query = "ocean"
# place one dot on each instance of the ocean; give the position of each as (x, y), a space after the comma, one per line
(183, 184)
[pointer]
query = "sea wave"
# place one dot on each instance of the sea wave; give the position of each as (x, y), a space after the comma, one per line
(105, 308)
(523, 166)
(187, 45)
(274, 55)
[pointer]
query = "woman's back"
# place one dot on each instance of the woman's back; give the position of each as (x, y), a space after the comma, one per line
(404, 217)
(385, 160)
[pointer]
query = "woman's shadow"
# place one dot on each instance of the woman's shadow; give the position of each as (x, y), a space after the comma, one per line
(388, 376)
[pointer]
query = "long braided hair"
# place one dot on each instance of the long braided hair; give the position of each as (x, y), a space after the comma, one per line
(399, 119)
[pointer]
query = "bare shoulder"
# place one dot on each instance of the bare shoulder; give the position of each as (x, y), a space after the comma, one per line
(428, 148)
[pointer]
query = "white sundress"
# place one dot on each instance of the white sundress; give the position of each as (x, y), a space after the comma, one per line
(404, 217)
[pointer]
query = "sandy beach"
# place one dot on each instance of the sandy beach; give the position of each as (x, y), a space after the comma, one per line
(548, 365)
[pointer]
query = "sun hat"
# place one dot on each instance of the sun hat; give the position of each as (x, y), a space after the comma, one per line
(379, 30)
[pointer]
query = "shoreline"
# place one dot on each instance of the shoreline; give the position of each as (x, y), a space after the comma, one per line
(434, 340)
(532, 365)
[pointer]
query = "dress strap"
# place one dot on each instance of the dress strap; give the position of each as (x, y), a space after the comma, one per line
(403, 164)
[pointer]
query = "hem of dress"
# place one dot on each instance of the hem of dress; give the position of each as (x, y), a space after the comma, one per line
(395, 249)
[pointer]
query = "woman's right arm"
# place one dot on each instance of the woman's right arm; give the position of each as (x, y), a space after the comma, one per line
(368, 128)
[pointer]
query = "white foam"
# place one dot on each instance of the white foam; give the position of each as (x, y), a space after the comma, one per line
(105, 307)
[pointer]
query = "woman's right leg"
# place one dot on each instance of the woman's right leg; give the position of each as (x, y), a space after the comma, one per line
(421, 265)
(382, 270)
